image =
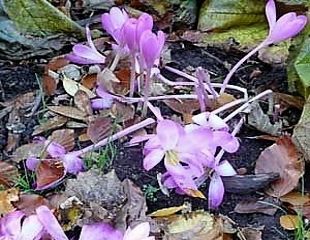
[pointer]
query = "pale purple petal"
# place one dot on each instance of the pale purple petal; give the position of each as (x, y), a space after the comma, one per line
(139, 139)
(32, 163)
(216, 123)
(151, 144)
(225, 140)
(50, 223)
(225, 169)
(86, 52)
(89, 40)
(145, 22)
(216, 191)
(168, 133)
(54, 149)
(73, 164)
(79, 60)
(271, 13)
(102, 103)
(153, 158)
(129, 33)
(140, 232)
(100, 231)
(201, 118)
(31, 229)
(10, 224)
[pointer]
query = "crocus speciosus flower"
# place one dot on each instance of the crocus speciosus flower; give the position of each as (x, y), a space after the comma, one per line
(83, 54)
(140, 232)
(287, 26)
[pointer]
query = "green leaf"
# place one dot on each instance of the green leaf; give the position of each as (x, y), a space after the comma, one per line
(225, 14)
(39, 17)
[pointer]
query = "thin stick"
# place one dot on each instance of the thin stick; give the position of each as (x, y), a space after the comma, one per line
(132, 75)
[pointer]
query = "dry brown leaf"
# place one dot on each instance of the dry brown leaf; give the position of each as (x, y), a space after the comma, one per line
(6, 199)
(296, 198)
(28, 150)
(122, 112)
(106, 78)
(198, 225)
(89, 81)
(8, 174)
(283, 158)
(289, 222)
(70, 112)
(99, 128)
(49, 84)
(165, 212)
(250, 234)
(71, 87)
(56, 63)
(289, 100)
(223, 99)
(49, 173)
(29, 202)
(64, 137)
(51, 124)
(267, 206)
(184, 106)
(82, 102)
(123, 75)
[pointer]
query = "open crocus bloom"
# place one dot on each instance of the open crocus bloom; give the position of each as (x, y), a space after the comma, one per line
(140, 232)
(83, 54)
(285, 27)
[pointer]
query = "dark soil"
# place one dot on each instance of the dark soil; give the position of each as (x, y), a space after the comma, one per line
(17, 79)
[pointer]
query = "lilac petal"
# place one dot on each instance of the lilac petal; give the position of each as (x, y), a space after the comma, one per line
(107, 23)
(118, 17)
(100, 231)
(89, 40)
(145, 22)
(88, 53)
(31, 229)
(32, 163)
(225, 169)
(168, 133)
(139, 139)
(54, 149)
(271, 13)
(286, 27)
(194, 140)
(10, 224)
(151, 144)
(129, 33)
(100, 103)
(79, 60)
(153, 158)
(50, 223)
(216, 191)
(216, 123)
(225, 140)
(201, 118)
(140, 232)
(150, 48)
(73, 163)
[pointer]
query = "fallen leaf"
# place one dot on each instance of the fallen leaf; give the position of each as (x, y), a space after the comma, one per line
(301, 135)
(168, 211)
(49, 84)
(56, 63)
(6, 199)
(289, 222)
(223, 99)
(82, 102)
(50, 124)
(198, 225)
(283, 158)
(122, 112)
(49, 173)
(89, 81)
(8, 174)
(27, 150)
(99, 128)
(123, 75)
(106, 78)
(64, 137)
(296, 198)
(71, 87)
(250, 234)
(70, 112)
(267, 206)
(261, 121)
(289, 100)
(29, 202)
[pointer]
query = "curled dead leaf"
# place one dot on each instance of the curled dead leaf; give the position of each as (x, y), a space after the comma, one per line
(51, 124)
(71, 87)
(70, 112)
(283, 158)
(6, 199)
(8, 174)
(29, 202)
(64, 137)
(289, 222)
(99, 128)
(82, 102)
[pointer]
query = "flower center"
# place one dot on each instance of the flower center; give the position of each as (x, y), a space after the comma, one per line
(172, 157)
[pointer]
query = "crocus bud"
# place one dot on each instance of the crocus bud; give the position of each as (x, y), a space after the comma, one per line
(145, 22)
(150, 47)
(113, 22)
(286, 27)
(129, 34)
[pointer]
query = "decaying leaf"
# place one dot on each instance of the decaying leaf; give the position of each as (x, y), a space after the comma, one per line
(283, 158)
(6, 199)
(99, 128)
(165, 212)
(49, 173)
(89, 81)
(123, 75)
(51, 124)
(198, 225)
(70, 112)
(27, 150)
(289, 100)
(267, 206)
(29, 202)
(82, 102)
(289, 222)
(261, 121)
(8, 174)
(72, 87)
(185, 106)
(296, 198)
(301, 135)
(122, 112)
(248, 233)
(65, 137)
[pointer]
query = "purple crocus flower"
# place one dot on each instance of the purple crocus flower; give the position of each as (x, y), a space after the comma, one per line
(105, 100)
(83, 54)
(216, 188)
(150, 47)
(285, 27)
(113, 23)
(100, 231)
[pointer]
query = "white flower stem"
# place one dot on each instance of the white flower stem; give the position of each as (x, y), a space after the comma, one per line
(147, 88)
(115, 136)
(238, 64)
(115, 62)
